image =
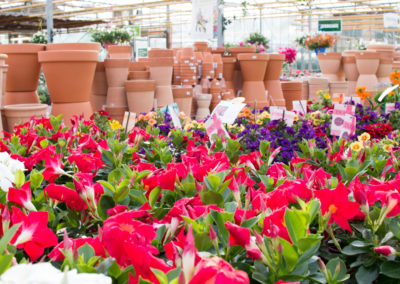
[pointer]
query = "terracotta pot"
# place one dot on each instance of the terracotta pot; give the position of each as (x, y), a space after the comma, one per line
(69, 74)
(140, 95)
(116, 113)
(20, 113)
(95, 46)
(13, 98)
(3, 77)
(69, 110)
(384, 69)
(271, 79)
(386, 50)
(351, 71)
(205, 85)
(237, 76)
(203, 106)
(316, 84)
(137, 66)
(116, 72)
(367, 65)
(152, 53)
(229, 70)
(253, 68)
(305, 90)
(183, 97)
(338, 87)
(23, 71)
(161, 72)
(98, 102)
(138, 75)
(330, 64)
(292, 91)
(200, 46)
(99, 87)
(396, 65)
(119, 51)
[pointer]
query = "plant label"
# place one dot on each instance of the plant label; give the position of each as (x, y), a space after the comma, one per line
(129, 120)
(276, 113)
(356, 100)
(289, 117)
(300, 106)
(214, 126)
(228, 111)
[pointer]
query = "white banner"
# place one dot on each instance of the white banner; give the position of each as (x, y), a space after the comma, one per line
(203, 19)
(391, 20)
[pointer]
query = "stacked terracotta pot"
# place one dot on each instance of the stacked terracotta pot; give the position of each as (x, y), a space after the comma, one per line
(351, 71)
(272, 79)
(187, 67)
(396, 61)
(183, 97)
(161, 66)
(292, 91)
(119, 51)
(99, 88)
(386, 57)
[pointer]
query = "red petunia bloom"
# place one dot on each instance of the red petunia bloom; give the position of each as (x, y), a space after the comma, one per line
(87, 163)
(238, 235)
(65, 194)
(22, 196)
(57, 255)
(53, 168)
(274, 224)
(337, 203)
(33, 235)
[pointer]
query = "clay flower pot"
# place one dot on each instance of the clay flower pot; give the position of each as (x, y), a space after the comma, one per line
(116, 113)
(292, 91)
(271, 79)
(338, 87)
(183, 97)
(23, 72)
(119, 51)
(216, 93)
(200, 46)
(305, 90)
(229, 70)
(203, 106)
(21, 113)
(117, 73)
(99, 87)
(95, 46)
(139, 75)
(237, 76)
(137, 66)
(384, 69)
(161, 72)
(367, 65)
(351, 71)
(158, 52)
(316, 84)
(385, 50)
(253, 70)
(330, 64)
(69, 76)
(140, 95)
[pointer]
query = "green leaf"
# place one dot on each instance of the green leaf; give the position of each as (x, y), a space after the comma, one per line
(249, 223)
(212, 182)
(173, 274)
(36, 179)
(391, 269)
(7, 237)
(122, 191)
(141, 175)
(154, 195)
(202, 241)
(86, 251)
(296, 224)
(289, 253)
(211, 197)
(306, 243)
(223, 233)
(107, 185)
(5, 262)
(331, 266)
(350, 250)
(106, 202)
(162, 278)
(19, 178)
(366, 275)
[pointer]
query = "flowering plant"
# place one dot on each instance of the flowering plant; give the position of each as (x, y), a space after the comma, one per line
(320, 41)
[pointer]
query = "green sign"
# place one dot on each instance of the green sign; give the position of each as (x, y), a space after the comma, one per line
(142, 52)
(330, 25)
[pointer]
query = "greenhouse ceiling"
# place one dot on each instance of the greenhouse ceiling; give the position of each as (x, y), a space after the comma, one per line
(151, 14)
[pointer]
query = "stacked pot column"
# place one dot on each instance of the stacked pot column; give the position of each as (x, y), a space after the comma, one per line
(161, 63)
(254, 66)
(99, 88)
(183, 97)
(292, 91)
(23, 72)
(237, 75)
(316, 84)
(386, 56)
(117, 73)
(272, 80)
(396, 61)
(228, 72)
(351, 71)
(367, 65)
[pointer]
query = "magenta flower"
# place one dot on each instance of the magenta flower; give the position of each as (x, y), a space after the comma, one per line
(290, 54)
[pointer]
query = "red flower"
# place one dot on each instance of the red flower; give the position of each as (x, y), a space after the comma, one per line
(33, 235)
(238, 235)
(57, 255)
(88, 191)
(87, 163)
(274, 224)
(22, 196)
(218, 271)
(65, 194)
(337, 203)
(385, 250)
(53, 168)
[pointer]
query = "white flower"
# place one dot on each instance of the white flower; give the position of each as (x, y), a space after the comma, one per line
(8, 168)
(45, 273)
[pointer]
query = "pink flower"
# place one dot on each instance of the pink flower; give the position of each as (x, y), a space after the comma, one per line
(241, 43)
(385, 250)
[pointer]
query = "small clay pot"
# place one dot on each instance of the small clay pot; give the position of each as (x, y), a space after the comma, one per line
(137, 66)
(183, 96)
(292, 91)
(330, 63)
(140, 95)
(116, 97)
(21, 113)
(271, 79)
(70, 110)
(203, 106)
(119, 51)
(116, 71)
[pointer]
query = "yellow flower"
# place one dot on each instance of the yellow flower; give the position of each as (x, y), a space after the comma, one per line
(151, 114)
(265, 114)
(259, 121)
(318, 121)
(241, 128)
(327, 96)
(356, 146)
(152, 121)
(296, 117)
(188, 126)
(364, 137)
(115, 124)
(201, 125)
(387, 147)
(314, 114)
(319, 92)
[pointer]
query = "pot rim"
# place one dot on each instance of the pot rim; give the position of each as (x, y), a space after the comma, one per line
(21, 48)
(116, 63)
(68, 56)
(275, 56)
(26, 107)
(253, 56)
(73, 46)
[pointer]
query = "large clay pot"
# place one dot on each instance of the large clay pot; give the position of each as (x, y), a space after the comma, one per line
(216, 93)
(183, 97)
(351, 71)
(330, 64)
(119, 51)
(69, 76)
(292, 91)
(237, 76)
(200, 46)
(385, 50)
(253, 68)
(316, 84)
(271, 79)
(367, 65)
(21, 113)
(99, 87)
(339, 87)
(384, 69)
(95, 46)
(23, 72)
(203, 106)
(229, 70)
(161, 72)
(140, 95)
(3, 77)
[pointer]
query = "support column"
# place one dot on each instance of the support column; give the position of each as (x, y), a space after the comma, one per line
(49, 20)
(220, 33)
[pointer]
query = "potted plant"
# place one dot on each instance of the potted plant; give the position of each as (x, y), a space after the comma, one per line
(319, 42)
(116, 41)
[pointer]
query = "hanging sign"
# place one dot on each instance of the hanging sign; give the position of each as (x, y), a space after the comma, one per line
(203, 19)
(330, 25)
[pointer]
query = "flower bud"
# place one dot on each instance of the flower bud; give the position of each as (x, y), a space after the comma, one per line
(385, 250)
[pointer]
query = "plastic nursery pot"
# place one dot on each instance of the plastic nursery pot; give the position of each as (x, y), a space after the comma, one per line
(94, 46)
(21, 113)
(140, 95)
(23, 66)
(69, 74)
